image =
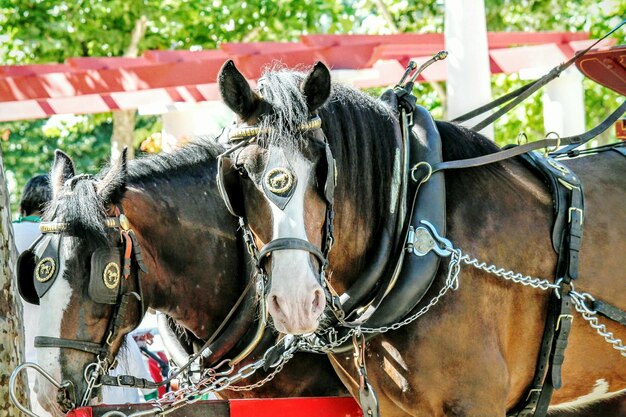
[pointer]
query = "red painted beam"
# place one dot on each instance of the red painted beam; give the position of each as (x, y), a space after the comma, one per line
(15, 70)
(181, 56)
(267, 407)
(295, 407)
(253, 58)
(75, 83)
(99, 63)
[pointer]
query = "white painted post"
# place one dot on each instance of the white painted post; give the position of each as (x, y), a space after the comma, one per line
(564, 104)
(188, 121)
(469, 74)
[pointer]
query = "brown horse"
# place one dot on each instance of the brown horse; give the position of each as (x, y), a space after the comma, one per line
(474, 352)
(197, 269)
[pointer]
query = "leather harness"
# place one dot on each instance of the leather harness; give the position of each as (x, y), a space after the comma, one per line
(393, 290)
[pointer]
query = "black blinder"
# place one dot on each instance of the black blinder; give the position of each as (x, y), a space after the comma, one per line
(38, 268)
(106, 274)
(229, 186)
(26, 277)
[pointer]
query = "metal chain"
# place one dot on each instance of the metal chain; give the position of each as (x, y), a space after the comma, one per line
(591, 317)
(319, 345)
(210, 382)
(92, 373)
(248, 239)
(277, 368)
(452, 282)
(542, 284)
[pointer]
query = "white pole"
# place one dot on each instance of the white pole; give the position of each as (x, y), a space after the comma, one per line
(564, 104)
(469, 75)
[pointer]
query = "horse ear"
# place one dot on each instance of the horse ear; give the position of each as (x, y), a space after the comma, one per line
(62, 170)
(316, 86)
(112, 186)
(236, 91)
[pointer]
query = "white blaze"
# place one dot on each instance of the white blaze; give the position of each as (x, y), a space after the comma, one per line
(290, 223)
(51, 310)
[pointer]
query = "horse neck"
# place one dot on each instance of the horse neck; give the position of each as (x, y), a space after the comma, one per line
(190, 247)
(500, 213)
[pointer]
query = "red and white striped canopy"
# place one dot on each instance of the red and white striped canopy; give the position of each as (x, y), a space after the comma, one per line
(95, 85)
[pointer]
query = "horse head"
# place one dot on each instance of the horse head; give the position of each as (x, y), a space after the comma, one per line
(75, 272)
(280, 161)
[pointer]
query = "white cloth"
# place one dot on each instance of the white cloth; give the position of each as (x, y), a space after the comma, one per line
(25, 234)
(129, 362)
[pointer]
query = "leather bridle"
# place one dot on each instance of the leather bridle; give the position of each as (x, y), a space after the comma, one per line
(238, 139)
(95, 372)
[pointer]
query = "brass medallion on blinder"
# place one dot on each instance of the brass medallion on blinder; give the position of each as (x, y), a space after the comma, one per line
(279, 181)
(111, 275)
(45, 269)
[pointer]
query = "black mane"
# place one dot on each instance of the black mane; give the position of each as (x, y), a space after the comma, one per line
(459, 142)
(362, 133)
(183, 161)
(84, 211)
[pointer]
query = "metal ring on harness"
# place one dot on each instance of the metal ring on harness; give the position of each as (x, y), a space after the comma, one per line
(559, 282)
(430, 172)
(558, 143)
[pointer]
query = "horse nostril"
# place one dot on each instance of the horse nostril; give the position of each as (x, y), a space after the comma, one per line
(275, 303)
(318, 298)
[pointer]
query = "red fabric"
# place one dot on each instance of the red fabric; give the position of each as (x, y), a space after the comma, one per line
(155, 371)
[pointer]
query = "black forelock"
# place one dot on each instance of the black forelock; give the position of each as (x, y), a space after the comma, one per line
(82, 210)
(287, 107)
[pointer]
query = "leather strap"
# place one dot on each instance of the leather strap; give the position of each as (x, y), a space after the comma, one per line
(529, 404)
(290, 243)
(519, 95)
(137, 252)
(621, 149)
(129, 381)
(609, 311)
(574, 141)
(57, 342)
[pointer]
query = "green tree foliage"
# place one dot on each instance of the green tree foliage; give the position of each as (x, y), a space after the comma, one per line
(42, 31)
(595, 17)
(46, 31)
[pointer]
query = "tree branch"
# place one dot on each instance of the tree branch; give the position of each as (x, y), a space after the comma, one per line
(382, 7)
(139, 31)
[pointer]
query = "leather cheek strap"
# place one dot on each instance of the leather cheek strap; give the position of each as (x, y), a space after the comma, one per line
(56, 342)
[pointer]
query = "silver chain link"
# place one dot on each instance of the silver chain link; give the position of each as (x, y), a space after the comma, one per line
(542, 284)
(591, 317)
(210, 382)
(452, 282)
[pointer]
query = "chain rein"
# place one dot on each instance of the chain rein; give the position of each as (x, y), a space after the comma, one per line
(329, 339)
